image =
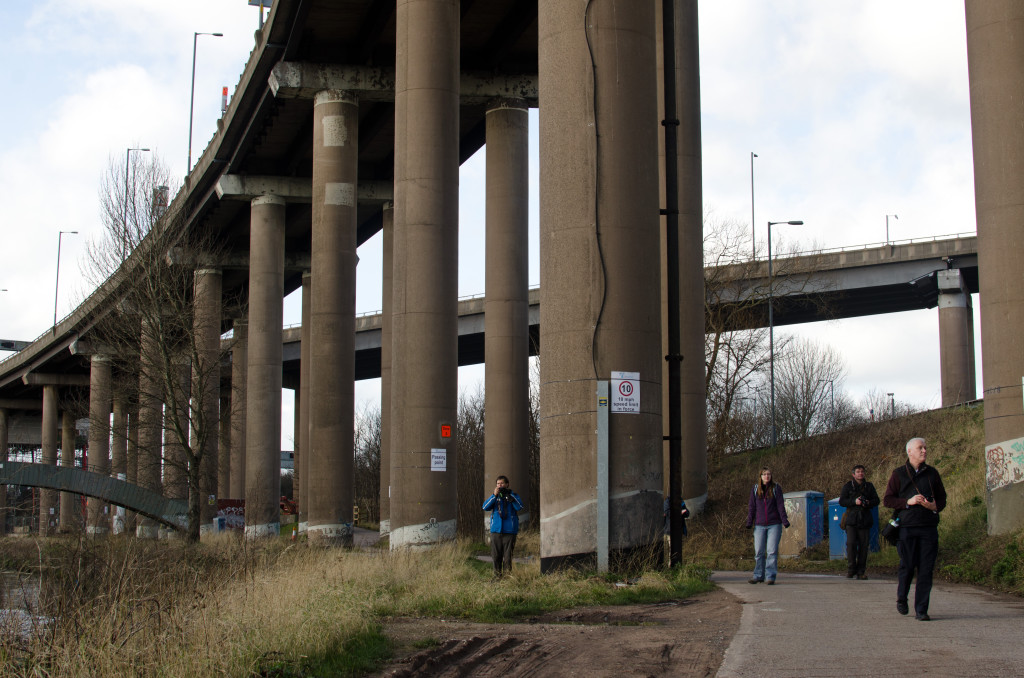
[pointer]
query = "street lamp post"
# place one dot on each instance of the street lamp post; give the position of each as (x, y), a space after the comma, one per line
(192, 98)
(771, 321)
(887, 226)
(753, 244)
(56, 286)
(127, 168)
(892, 406)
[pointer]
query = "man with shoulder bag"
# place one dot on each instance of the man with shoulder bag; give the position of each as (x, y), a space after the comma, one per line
(858, 497)
(916, 491)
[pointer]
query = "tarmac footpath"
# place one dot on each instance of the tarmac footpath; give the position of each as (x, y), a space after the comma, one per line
(827, 625)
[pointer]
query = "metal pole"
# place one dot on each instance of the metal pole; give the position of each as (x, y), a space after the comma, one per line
(192, 101)
(887, 226)
(674, 357)
(753, 244)
(192, 96)
(602, 475)
(771, 330)
(56, 285)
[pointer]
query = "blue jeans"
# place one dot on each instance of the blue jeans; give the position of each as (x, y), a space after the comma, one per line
(766, 539)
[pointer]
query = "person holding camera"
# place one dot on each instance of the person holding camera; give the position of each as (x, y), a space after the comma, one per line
(916, 492)
(504, 505)
(858, 497)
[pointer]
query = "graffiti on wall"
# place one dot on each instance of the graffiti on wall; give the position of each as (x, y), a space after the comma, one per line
(1004, 463)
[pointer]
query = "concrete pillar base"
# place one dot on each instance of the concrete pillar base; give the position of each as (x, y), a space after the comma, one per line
(262, 531)
(696, 505)
(338, 534)
(147, 532)
(385, 527)
(423, 536)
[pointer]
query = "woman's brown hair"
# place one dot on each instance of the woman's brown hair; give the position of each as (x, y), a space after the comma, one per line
(762, 488)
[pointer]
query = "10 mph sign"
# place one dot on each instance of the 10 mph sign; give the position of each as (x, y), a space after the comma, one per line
(625, 392)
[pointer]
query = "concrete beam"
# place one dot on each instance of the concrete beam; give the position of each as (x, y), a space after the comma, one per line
(292, 189)
(294, 80)
(43, 379)
(20, 404)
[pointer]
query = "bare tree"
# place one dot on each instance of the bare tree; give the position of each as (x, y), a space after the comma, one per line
(806, 375)
(149, 262)
(470, 444)
(366, 464)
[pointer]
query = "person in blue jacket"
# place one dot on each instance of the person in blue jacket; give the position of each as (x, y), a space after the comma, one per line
(504, 505)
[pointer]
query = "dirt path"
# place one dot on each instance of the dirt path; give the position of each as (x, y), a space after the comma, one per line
(683, 638)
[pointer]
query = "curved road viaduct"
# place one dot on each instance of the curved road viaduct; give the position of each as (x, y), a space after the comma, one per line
(339, 104)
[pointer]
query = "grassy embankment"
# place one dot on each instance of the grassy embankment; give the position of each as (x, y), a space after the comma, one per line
(955, 438)
(125, 607)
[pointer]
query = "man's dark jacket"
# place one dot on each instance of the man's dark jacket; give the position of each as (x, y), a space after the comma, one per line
(904, 483)
(859, 516)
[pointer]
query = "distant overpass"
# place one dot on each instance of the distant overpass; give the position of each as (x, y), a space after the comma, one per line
(831, 284)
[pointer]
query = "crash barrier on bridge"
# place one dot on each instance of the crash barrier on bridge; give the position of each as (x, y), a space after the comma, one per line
(170, 512)
(806, 512)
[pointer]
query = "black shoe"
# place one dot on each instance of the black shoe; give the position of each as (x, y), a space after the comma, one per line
(923, 617)
(756, 581)
(770, 582)
(850, 575)
(901, 607)
(862, 577)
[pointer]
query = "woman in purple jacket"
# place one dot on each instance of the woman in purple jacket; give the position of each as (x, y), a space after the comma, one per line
(766, 513)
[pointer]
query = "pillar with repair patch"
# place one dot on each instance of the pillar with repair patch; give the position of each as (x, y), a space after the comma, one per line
(70, 504)
(387, 289)
(424, 359)
(263, 378)
(600, 282)
(48, 498)
(99, 438)
(149, 450)
(689, 255)
(995, 65)
(206, 326)
(956, 339)
(302, 464)
(506, 305)
(239, 365)
(332, 316)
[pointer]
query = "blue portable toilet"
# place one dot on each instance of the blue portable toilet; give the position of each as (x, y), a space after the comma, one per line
(806, 511)
(837, 536)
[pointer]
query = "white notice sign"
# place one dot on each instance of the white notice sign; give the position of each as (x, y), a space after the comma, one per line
(439, 460)
(625, 392)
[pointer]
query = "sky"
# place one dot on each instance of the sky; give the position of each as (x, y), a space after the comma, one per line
(856, 109)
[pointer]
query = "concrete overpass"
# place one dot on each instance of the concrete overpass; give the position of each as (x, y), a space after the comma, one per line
(352, 118)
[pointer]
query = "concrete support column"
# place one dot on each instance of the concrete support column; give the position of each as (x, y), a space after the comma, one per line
(4, 442)
(995, 64)
(693, 445)
(332, 315)
(599, 268)
(206, 388)
(150, 422)
(48, 498)
(239, 368)
(263, 381)
(131, 522)
(302, 466)
(387, 290)
(99, 438)
(175, 471)
(956, 339)
(224, 443)
(297, 453)
(507, 306)
(424, 368)
(70, 503)
(119, 457)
